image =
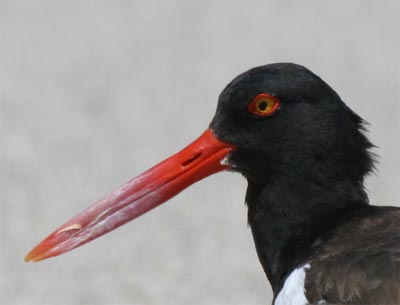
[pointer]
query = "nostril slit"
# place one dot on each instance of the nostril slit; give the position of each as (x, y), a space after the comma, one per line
(191, 160)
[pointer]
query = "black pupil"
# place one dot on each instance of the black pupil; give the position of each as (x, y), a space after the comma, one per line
(262, 106)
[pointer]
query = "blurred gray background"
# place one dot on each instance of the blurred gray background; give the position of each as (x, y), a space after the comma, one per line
(94, 92)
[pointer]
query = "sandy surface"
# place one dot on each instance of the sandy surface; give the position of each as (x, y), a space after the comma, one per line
(94, 92)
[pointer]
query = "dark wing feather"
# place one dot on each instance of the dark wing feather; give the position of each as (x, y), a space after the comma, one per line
(360, 263)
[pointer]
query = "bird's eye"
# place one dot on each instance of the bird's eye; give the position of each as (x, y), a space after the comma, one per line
(264, 104)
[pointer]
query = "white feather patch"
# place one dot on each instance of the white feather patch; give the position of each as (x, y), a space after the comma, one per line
(292, 292)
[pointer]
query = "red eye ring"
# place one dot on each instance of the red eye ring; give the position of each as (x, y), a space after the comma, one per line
(263, 104)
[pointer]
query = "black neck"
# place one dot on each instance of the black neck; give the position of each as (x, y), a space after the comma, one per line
(286, 219)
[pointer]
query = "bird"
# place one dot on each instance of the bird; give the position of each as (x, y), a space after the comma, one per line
(305, 155)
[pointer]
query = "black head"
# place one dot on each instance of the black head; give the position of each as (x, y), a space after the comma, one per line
(312, 134)
(304, 163)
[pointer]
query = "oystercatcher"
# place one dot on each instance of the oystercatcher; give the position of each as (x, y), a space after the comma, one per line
(305, 155)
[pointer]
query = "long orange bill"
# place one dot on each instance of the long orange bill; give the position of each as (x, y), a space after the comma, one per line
(200, 159)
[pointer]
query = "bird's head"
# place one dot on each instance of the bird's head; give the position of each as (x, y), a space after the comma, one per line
(286, 121)
(278, 120)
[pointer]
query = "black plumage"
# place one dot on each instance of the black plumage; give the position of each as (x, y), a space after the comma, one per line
(359, 261)
(305, 166)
